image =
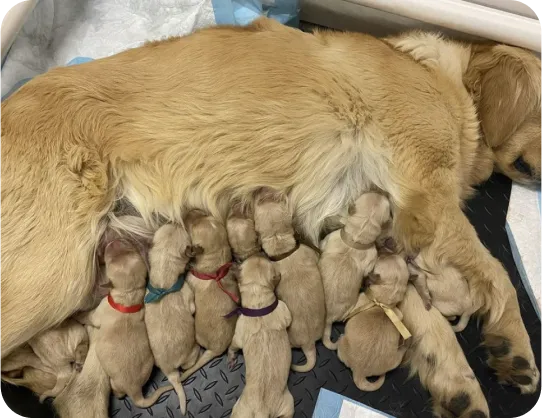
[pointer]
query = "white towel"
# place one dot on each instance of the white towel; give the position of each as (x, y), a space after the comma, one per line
(523, 227)
(60, 30)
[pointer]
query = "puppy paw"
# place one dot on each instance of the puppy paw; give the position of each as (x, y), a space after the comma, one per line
(232, 359)
(461, 405)
(513, 364)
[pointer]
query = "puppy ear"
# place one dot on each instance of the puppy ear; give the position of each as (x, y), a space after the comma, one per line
(240, 210)
(508, 86)
(268, 194)
(107, 285)
(196, 250)
(352, 209)
(373, 278)
(189, 252)
(194, 215)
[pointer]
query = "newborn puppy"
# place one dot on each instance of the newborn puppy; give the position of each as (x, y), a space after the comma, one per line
(23, 368)
(300, 286)
(87, 395)
(261, 334)
(241, 233)
(450, 293)
(122, 342)
(214, 286)
(63, 351)
(371, 344)
(169, 306)
(348, 255)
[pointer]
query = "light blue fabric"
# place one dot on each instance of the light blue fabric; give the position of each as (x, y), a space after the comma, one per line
(242, 12)
(328, 405)
(521, 269)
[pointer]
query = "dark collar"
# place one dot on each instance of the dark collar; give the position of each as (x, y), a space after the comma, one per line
(353, 244)
(285, 255)
(254, 313)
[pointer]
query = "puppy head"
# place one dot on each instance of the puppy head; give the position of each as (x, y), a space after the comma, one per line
(258, 271)
(241, 232)
(124, 265)
(173, 242)
(36, 380)
(505, 84)
(389, 279)
(207, 234)
(367, 215)
(273, 221)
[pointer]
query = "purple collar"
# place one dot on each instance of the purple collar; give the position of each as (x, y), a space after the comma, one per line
(253, 313)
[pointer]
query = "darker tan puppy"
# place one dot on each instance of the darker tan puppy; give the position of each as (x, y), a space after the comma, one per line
(214, 287)
(169, 306)
(122, 342)
(301, 285)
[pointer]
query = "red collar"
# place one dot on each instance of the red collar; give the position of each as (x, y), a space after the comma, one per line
(123, 308)
(217, 277)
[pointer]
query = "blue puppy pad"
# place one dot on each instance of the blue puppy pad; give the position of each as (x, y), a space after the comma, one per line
(329, 405)
(242, 12)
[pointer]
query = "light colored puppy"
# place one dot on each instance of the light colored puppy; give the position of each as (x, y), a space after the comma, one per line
(169, 306)
(214, 286)
(450, 292)
(122, 342)
(348, 255)
(242, 233)
(265, 344)
(62, 350)
(371, 344)
(23, 368)
(301, 285)
(87, 395)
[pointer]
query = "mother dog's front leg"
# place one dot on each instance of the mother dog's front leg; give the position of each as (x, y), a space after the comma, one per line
(509, 348)
(437, 357)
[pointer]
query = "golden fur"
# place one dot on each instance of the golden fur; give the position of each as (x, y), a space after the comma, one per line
(170, 321)
(300, 287)
(122, 344)
(324, 117)
(265, 345)
(87, 395)
(343, 267)
(213, 331)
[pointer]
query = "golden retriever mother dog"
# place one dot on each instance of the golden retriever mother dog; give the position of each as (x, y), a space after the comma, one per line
(205, 120)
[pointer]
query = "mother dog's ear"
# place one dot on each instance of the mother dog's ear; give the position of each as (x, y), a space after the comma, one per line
(505, 84)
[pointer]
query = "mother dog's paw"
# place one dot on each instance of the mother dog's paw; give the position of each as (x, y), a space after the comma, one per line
(462, 405)
(513, 364)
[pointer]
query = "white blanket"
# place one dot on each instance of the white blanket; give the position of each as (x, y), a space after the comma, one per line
(523, 228)
(58, 31)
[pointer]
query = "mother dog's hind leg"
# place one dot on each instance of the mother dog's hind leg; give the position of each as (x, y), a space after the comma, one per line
(437, 357)
(509, 347)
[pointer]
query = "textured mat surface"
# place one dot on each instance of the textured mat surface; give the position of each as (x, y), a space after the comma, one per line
(213, 391)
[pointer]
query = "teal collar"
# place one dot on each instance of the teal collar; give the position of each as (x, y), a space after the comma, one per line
(155, 294)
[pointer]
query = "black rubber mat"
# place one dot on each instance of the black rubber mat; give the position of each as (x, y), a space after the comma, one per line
(213, 391)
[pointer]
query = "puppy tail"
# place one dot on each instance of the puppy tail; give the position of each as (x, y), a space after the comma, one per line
(310, 355)
(141, 402)
(363, 384)
(205, 358)
(462, 324)
(175, 379)
(326, 339)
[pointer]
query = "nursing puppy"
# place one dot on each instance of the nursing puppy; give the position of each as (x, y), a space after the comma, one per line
(265, 344)
(242, 234)
(122, 342)
(449, 291)
(62, 350)
(300, 286)
(213, 285)
(348, 255)
(23, 368)
(169, 306)
(87, 395)
(401, 114)
(371, 344)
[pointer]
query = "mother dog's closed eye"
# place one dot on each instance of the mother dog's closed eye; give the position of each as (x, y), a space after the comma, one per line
(326, 116)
